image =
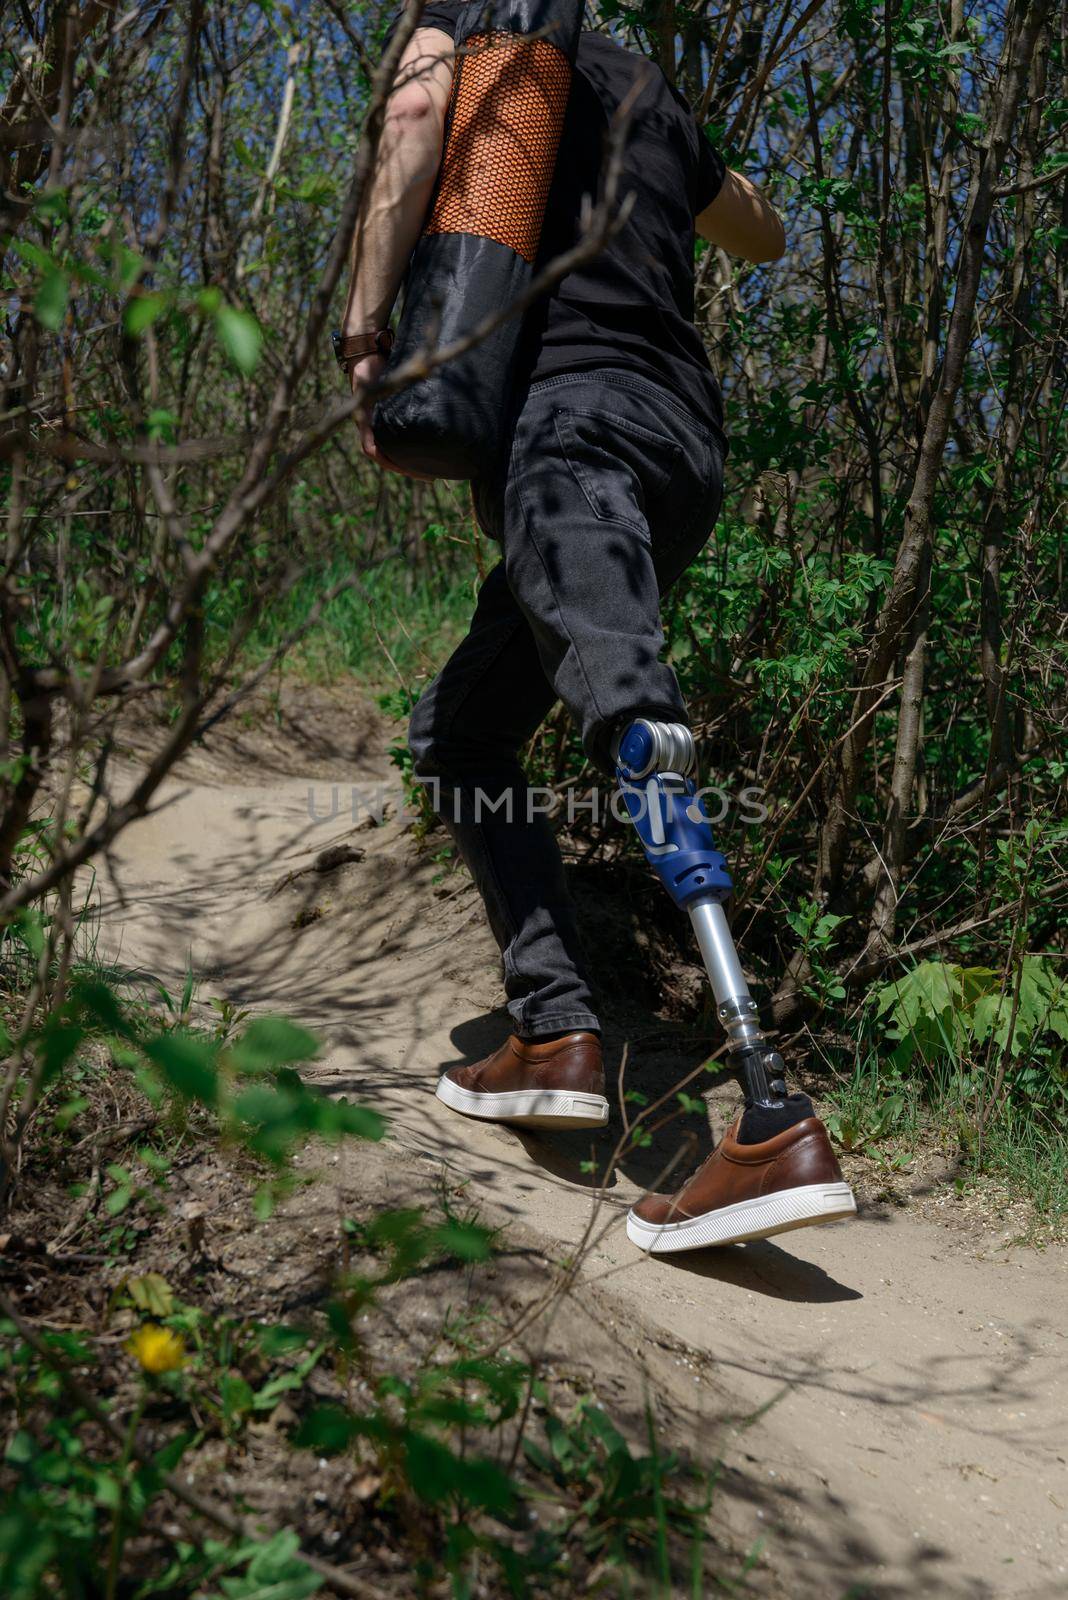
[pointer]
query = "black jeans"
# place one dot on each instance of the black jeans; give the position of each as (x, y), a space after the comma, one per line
(609, 490)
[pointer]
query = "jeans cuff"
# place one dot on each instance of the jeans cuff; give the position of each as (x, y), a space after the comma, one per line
(559, 1022)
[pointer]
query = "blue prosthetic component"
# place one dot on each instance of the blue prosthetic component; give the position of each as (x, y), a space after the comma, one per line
(652, 763)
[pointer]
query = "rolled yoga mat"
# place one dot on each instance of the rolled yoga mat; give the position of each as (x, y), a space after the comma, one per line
(510, 88)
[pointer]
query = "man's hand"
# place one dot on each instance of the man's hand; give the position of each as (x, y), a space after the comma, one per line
(364, 374)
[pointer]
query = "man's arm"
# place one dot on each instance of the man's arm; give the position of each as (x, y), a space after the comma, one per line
(742, 222)
(398, 194)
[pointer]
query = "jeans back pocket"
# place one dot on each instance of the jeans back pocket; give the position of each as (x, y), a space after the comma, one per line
(621, 466)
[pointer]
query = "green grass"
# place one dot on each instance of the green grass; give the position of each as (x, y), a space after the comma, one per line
(384, 631)
(882, 1114)
(1030, 1155)
(972, 1058)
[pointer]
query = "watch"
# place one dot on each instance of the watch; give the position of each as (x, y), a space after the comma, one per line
(352, 347)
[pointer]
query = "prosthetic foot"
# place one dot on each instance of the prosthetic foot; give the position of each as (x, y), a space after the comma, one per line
(655, 764)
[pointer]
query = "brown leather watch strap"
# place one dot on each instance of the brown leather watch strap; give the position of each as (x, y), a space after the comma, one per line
(350, 347)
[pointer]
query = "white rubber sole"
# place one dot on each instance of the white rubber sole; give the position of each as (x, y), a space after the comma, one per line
(759, 1218)
(528, 1108)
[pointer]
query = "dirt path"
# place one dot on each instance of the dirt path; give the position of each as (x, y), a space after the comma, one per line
(914, 1377)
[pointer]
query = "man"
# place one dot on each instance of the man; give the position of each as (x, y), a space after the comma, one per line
(609, 487)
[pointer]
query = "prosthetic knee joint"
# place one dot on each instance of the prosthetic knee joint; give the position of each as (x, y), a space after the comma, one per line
(655, 762)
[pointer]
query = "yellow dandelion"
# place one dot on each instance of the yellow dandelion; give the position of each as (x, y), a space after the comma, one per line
(157, 1349)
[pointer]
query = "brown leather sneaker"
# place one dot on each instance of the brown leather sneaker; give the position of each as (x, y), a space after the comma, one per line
(748, 1191)
(558, 1083)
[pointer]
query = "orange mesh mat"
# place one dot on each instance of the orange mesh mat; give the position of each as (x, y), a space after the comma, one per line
(507, 113)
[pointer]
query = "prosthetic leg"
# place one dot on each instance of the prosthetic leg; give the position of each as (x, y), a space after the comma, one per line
(655, 762)
(774, 1170)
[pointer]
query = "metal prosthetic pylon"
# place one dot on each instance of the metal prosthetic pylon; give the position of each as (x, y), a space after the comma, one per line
(655, 762)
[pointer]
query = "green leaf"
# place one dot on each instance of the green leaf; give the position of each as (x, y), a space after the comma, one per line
(52, 206)
(326, 1430)
(141, 312)
(465, 1241)
(104, 1007)
(26, 1553)
(236, 1394)
(537, 1457)
(151, 1293)
(30, 927)
(277, 1339)
(1057, 1022)
(188, 1065)
(69, 1110)
(161, 425)
(273, 1042)
(359, 1122)
(148, 1480)
(35, 255)
(240, 336)
(275, 1572)
(106, 1491)
(21, 1448)
(57, 1046)
(976, 981)
(436, 1474)
(50, 301)
(929, 990)
(268, 1396)
(127, 265)
(316, 190)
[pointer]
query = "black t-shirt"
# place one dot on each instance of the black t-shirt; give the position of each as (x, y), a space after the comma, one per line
(632, 305)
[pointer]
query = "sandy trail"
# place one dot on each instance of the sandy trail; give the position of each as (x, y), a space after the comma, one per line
(914, 1439)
